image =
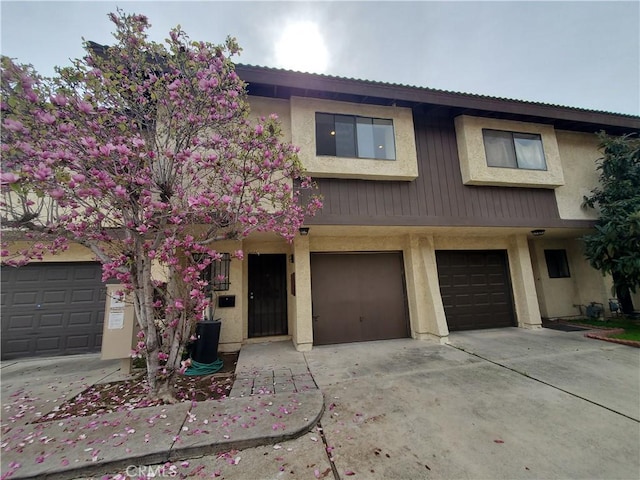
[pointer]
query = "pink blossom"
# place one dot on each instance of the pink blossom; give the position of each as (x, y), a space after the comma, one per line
(85, 107)
(57, 193)
(43, 172)
(59, 100)
(46, 117)
(13, 125)
(8, 177)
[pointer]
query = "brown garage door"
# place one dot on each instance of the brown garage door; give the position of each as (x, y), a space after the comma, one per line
(358, 297)
(52, 309)
(475, 289)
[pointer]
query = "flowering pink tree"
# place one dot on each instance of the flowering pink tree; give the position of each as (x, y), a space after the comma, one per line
(144, 153)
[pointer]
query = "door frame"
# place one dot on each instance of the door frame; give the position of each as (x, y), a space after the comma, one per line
(283, 328)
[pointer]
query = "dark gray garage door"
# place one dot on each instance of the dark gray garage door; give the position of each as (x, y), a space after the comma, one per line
(475, 289)
(358, 297)
(52, 309)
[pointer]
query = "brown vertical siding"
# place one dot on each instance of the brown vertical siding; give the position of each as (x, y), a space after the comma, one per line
(437, 196)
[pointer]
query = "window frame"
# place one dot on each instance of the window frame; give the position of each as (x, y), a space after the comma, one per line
(332, 148)
(514, 135)
(216, 269)
(557, 263)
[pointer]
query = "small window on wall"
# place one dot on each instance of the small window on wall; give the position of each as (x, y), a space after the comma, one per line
(514, 150)
(557, 264)
(353, 136)
(217, 273)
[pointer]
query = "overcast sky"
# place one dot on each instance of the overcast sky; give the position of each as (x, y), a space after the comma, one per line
(582, 54)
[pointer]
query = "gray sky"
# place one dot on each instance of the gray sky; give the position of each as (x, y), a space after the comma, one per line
(582, 54)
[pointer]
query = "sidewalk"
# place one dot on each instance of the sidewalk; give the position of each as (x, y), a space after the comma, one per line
(273, 399)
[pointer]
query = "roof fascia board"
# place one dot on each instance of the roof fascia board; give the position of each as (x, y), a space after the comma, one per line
(418, 95)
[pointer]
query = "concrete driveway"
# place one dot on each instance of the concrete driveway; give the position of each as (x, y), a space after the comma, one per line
(506, 403)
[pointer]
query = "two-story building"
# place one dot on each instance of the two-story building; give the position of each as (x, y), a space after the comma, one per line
(442, 211)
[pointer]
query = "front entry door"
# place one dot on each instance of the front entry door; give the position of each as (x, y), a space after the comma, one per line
(267, 295)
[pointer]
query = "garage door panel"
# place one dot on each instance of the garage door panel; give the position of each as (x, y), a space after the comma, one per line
(48, 344)
(52, 309)
(83, 296)
(29, 298)
(82, 319)
(18, 348)
(357, 297)
(78, 341)
(475, 289)
(55, 298)
(19, 322)
(51, 320)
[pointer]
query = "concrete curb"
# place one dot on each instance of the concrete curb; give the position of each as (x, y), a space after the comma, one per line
(85, 446)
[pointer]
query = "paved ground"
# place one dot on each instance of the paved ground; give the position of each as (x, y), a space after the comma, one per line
(514, 404)
(506, 403)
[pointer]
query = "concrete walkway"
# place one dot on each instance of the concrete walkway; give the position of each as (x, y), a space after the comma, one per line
(499, 404)
(265, 406)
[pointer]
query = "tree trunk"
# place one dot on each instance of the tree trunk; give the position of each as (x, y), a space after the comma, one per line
(624, 297)
(623, 293)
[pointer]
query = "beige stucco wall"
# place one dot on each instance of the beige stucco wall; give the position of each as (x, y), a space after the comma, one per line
(303, 124)
(473, 160)
(263, 107)
(579, 152)
(426, 311)
(75, 253)
(561, 297)
(231, 328)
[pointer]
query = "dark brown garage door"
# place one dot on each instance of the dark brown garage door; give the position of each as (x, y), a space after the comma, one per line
(475, 289)
(358, 297)
(52, 309)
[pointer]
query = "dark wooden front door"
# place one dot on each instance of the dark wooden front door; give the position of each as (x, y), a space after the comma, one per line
(358, 297)
(475, 289)
(267, 295)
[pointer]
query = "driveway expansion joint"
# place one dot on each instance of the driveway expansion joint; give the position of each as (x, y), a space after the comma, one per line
(524, 374)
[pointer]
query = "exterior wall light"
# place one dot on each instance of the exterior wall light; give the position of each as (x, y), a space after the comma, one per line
(538, 232)
(304, 231)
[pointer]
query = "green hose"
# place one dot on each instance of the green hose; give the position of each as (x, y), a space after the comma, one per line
(197, 368)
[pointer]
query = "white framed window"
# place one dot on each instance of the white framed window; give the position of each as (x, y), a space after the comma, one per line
(354, 136)
(505, 149)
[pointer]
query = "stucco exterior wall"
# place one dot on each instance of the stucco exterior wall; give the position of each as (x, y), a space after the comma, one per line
(579, 152)
(473, 160)
(562, 297)
(263, 107)
(75, 253)
(303, 124)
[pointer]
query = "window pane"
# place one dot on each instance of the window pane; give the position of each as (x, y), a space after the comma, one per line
(529, 151)
(325, 135)
(499, 149)
(384, 142)
(345, 135)
(557, 264)
(365, 137)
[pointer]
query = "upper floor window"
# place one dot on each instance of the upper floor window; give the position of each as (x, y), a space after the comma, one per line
(354, 136)
(514, 150)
